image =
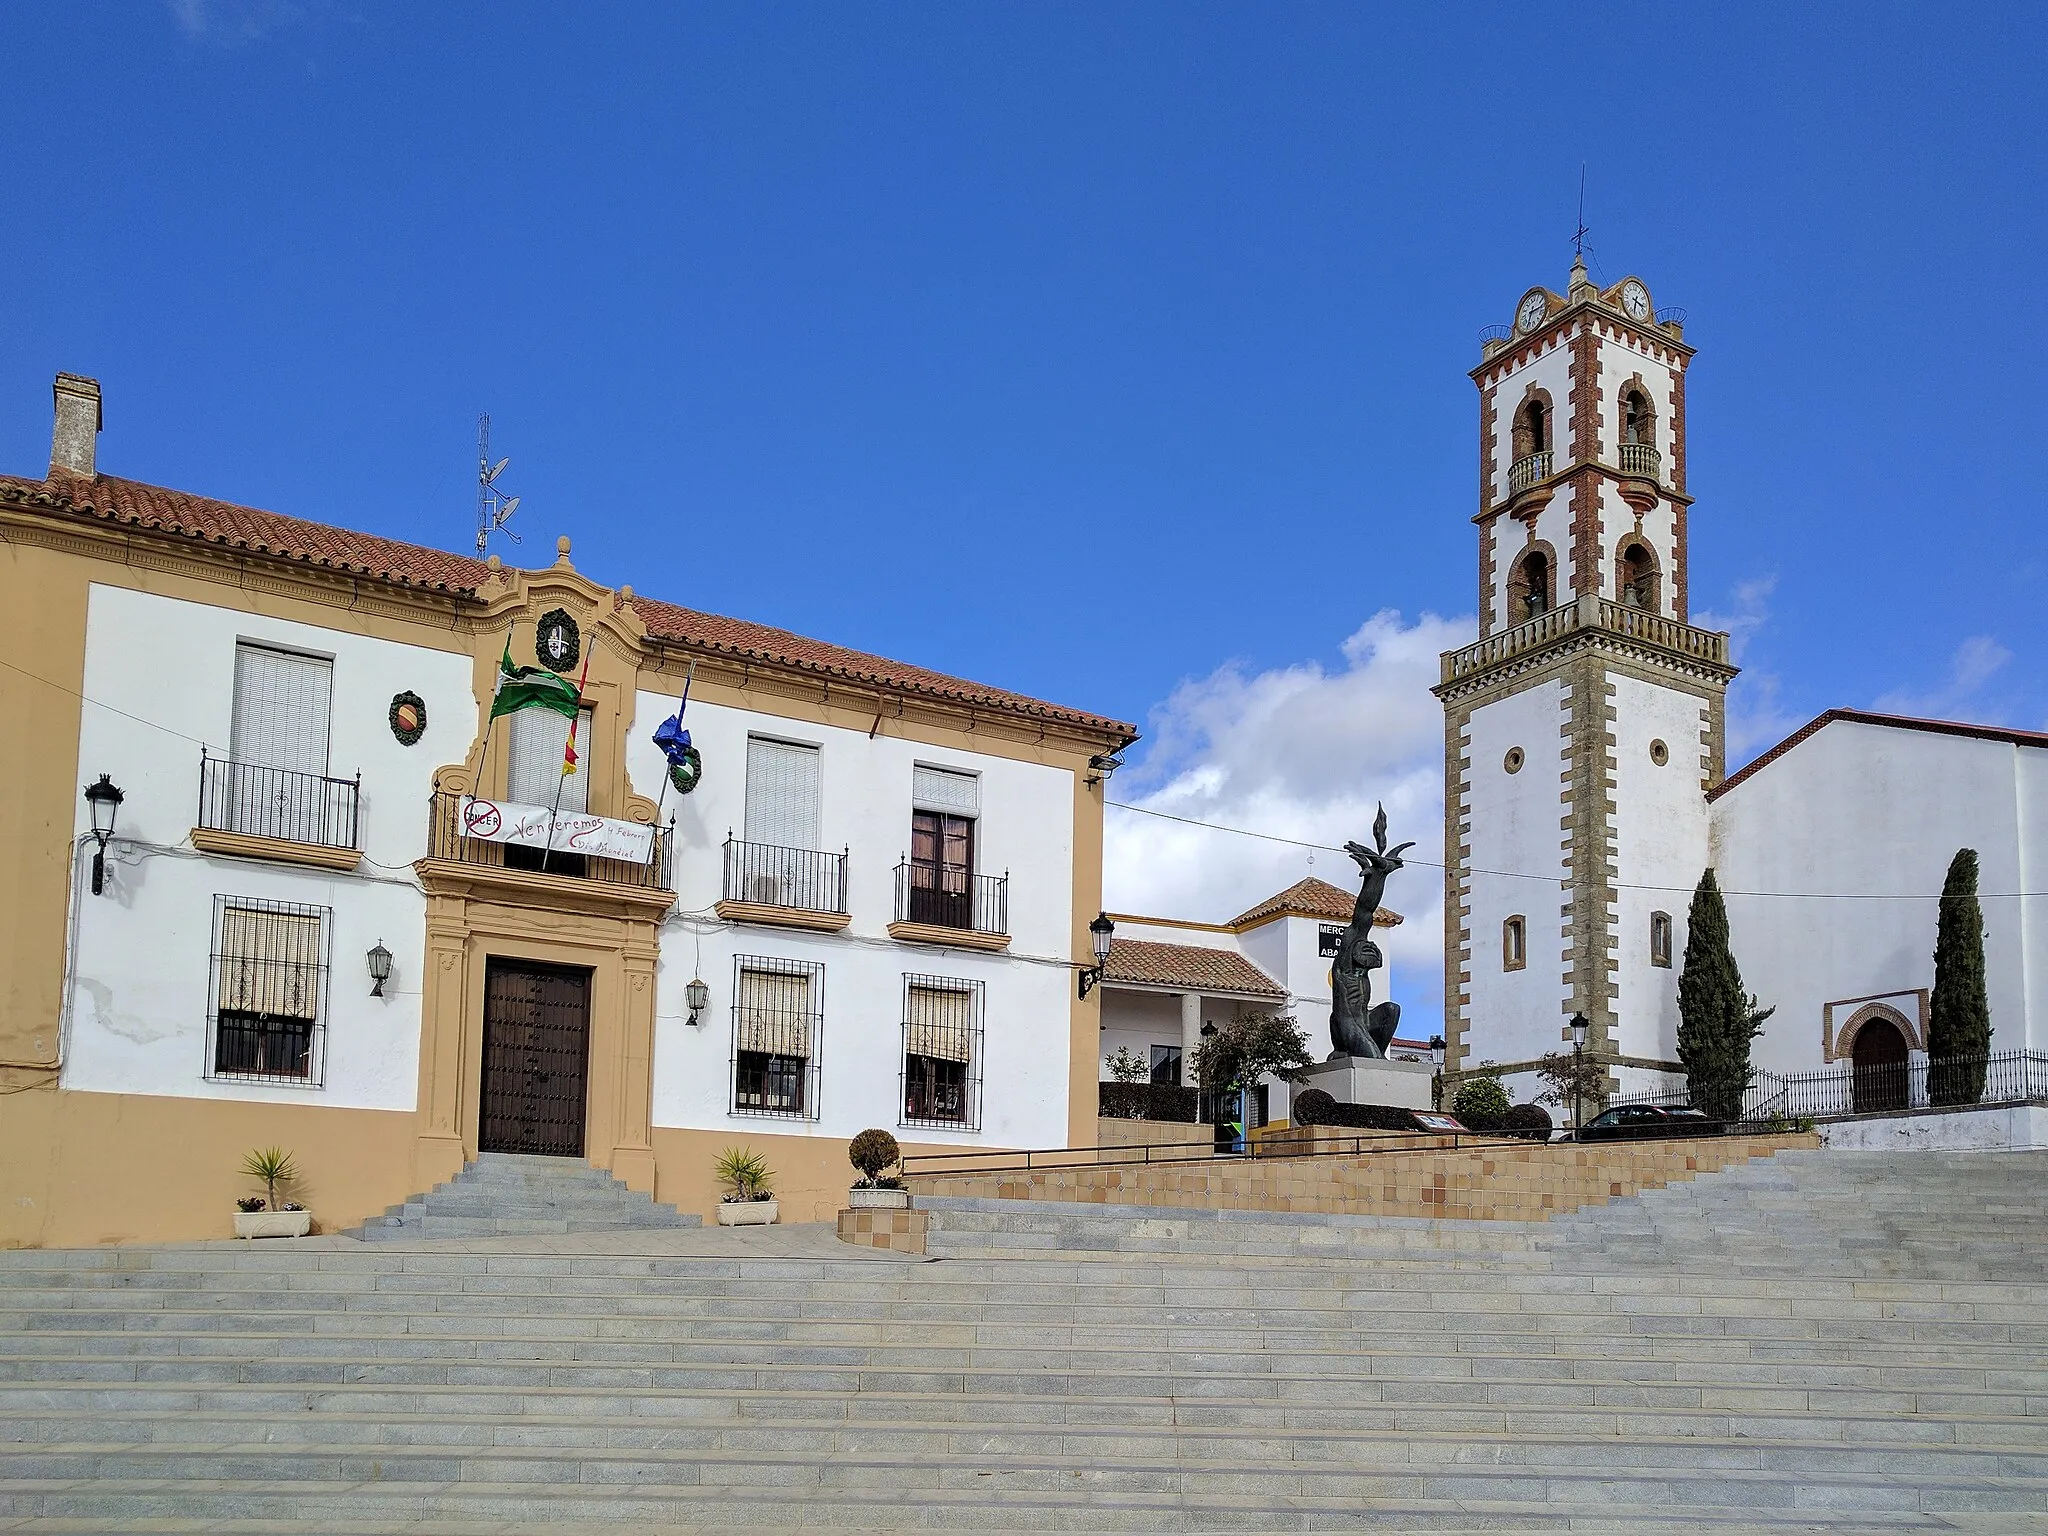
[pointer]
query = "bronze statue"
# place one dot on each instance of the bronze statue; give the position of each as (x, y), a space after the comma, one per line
(1356, 1027)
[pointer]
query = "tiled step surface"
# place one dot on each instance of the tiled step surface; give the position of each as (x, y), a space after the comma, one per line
(504, 1194)
(1114, 1372)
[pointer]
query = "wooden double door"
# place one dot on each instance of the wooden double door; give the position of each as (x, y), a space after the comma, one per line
(536, 1065)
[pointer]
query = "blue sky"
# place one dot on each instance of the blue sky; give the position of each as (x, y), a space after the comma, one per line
(1115, 353)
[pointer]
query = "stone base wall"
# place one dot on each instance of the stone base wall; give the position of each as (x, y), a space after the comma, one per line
(1151, 1133)
(1490, 1183)
(898, 1231)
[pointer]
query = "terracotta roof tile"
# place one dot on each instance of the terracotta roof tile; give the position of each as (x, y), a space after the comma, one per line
(1312, 898)
(1189, 966)
(133, 504)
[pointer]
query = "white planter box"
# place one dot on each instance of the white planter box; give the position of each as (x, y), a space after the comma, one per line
(859, 1199)
(747, 1213)
(273, 1223)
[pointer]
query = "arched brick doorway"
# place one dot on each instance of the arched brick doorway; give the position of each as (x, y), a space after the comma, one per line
(1879, 1056)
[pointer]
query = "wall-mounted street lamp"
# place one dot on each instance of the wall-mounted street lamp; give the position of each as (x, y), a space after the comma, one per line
(380, 968)
(1100, 933)
(698, 996)
(1580, 1024)
(104, 799)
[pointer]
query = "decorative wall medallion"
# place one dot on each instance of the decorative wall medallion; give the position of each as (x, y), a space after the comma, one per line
(687, 773)
(1659, 753)
(408, 718)
(556, 642)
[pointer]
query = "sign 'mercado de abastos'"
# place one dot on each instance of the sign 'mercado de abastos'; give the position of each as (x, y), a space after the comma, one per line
(501, 821)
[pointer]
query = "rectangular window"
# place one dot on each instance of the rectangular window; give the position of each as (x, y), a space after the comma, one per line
(782, 793)
(267, 993)
(941, 869)
(539, 737)
(276, 785)
(945, 789)
(1165, 1063)
(942, 1052)
(1514, 944)
(1660, 938)
(777, 1022)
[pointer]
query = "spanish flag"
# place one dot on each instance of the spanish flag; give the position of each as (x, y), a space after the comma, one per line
(569, 758)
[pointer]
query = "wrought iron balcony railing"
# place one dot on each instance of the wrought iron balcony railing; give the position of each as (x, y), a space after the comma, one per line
(946, 898)
(1528, 470)
(275, 802)
(1642, 459)
(796, 879)
(445, 840)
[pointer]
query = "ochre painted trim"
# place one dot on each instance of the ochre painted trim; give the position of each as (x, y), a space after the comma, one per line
(950, 938)
(782, 917)
(564, 893)
(279, 850)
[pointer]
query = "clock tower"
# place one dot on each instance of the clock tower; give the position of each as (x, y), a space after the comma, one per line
(1584, 726)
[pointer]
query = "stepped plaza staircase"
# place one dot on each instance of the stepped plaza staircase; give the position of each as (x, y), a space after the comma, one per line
(1815, 1342)
(505, 1194)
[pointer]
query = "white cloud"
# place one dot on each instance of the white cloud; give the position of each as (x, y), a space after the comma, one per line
(1756, 717)
(1975, 662)
(1298, 752)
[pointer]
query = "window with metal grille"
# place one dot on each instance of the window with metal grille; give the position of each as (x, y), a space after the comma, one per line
(778, 1022)
(942, 1052)
(267, 994)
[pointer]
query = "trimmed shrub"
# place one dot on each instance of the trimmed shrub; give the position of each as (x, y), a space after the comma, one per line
(1146, 1101)
(1313, 1106)
(1481, 1103)
(1527, 1120)
(872, 1151)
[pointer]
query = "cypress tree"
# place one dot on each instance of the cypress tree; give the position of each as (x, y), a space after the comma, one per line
(1716, 1019)
(1959, 1014)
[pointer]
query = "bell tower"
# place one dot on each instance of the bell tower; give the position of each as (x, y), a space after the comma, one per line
(1583, 727)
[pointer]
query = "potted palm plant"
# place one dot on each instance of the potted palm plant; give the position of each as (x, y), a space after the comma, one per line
(267, 1217)
(871, 1152)
(747, 1201)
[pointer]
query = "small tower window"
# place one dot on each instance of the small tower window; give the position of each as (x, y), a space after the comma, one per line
(1660, 939)
(1635, 578)
(1514, 943)
(1637, 424)
(1529, 591)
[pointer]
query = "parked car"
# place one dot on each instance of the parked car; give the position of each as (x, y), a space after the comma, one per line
(1629, 1122)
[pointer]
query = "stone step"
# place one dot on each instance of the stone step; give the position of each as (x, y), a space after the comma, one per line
(512, 1195)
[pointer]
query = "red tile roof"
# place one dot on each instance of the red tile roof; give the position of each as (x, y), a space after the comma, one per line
(1188, 967)
(1865, 717)
(1312, 898)
(131, 504)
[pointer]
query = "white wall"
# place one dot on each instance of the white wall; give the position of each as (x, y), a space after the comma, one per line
(1026, 828)
(1516, 1015)
(1660, 841)
(1874, 811)
(138, 1022)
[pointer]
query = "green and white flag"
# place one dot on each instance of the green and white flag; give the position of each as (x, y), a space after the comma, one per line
(532, 688)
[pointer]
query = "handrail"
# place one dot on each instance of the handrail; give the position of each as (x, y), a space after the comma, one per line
(795, 879)
(1528, 470)
(293, 807)
(945, 898)
(1641, 459)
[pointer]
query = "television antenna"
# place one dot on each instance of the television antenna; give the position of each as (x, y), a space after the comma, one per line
(1579, 234)
(493, 510)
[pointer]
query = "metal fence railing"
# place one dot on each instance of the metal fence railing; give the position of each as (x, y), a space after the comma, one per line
(945, 898)
(2005, 1077)
(445, 840)
(276, 802)
(795, 879)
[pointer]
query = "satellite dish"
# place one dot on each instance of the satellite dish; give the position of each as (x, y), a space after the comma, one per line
(499, 470)
(508, 509)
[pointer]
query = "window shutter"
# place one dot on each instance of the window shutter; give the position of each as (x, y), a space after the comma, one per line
(941, 1023)
(782, 794)
(941, 789)
(774, 1014)
(281, 709)
(538, 739)
(269, 963)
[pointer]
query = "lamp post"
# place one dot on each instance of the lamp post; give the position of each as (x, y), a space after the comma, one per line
(698, 996)
(103, 799)
(1436, 1082)
(380, 968)
(1580, 1025)
(1100, 933)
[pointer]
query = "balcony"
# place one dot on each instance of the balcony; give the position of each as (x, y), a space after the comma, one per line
(784, 887)
(950, 907)
(250, 811)
(458, 857)
(1530, 469)
(1591, 617)
(1642, 459)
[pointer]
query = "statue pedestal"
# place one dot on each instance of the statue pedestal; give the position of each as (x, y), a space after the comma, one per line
(1367, 1080)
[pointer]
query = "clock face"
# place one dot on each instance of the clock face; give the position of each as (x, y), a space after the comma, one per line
(1530, 315)
(1635, 300)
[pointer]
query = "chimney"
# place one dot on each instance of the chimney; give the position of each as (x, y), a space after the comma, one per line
(74, 450)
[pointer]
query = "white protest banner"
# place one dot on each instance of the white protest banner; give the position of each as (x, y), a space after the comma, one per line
(500, 821)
